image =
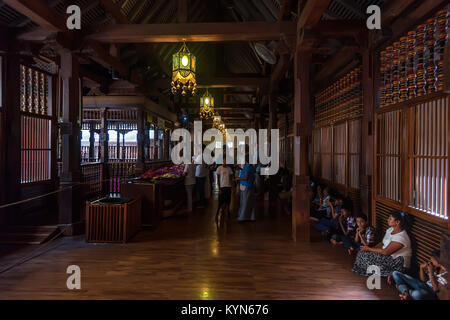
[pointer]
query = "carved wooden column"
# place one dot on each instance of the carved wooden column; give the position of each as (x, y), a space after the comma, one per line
(367, 138)
(274, 179)
(70, 198)
(12, 161)
(302, 137)
(104, 147)
(92, 142)
(140, 162)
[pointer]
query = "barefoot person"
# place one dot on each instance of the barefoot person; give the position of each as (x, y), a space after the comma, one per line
(433, 277)
(225, 175)
(247, 205)
(393, 254)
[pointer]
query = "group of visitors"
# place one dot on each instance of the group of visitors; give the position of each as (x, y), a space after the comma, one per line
(196, 177)
(392, 255)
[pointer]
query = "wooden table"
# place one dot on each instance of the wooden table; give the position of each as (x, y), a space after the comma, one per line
(154, 196)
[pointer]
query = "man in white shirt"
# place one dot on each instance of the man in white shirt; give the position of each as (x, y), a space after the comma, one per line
(225, 178)
(201, 174)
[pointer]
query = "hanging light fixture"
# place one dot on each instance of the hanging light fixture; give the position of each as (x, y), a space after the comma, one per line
(206, 106)
(183, 72)
(216, 121)
(222, 129)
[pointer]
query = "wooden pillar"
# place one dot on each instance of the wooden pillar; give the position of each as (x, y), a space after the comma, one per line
(273, 179)
(367, 126)
(91, 142)
(286, 131)
(104, 148)
(302, 135)
(104, 139)
(118, 145)
(140, 161)
(12, 161)
(256, 121)
(273, 104)
(70, 198)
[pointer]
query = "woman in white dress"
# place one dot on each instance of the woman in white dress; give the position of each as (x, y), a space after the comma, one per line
(392, 254)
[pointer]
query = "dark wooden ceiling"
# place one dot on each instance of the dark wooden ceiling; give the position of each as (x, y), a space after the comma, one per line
(216, 60)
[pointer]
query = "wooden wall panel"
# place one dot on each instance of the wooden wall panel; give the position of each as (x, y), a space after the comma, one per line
(425, 235)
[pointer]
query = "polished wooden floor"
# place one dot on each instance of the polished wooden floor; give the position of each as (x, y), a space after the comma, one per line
(188, 258)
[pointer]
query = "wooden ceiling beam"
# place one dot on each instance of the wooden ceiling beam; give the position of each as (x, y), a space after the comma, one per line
(194, 32)
(393, 9)
(226, 82)
(39, 12)
(182, 11)
(148, 51)
(338, 28)
(115, 11)
(107, 60)
(311, 13)
(343, 56)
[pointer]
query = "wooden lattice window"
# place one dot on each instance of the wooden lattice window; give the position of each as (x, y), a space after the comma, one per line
(430, 152)
(36, 125)
(354, 151)
(326, 148)
(389, 155)
(340, 153)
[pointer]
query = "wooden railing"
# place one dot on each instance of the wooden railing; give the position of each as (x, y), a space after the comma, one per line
(125, 153)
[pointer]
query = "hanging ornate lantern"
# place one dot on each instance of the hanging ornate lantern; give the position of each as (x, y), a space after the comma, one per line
(206, 106)
(183, 72)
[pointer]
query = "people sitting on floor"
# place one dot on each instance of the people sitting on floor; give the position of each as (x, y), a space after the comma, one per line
(364, 236)
(319, 195)
(323, 210)
(346, 228)
(392, 254)
(433, 278)
(330, 225)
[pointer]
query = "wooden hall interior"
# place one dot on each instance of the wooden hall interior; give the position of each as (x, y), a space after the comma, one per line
(87, 117)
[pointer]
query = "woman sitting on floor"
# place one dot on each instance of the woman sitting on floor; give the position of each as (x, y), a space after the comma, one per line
(392, 254)
(346, 229)
(329, 225)
(421, 289)
(364, 236)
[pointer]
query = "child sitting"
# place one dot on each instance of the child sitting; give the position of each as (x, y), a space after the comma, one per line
(433, 278)
(347, 227)
(323, 210)
(365, 236)
(327, 225)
